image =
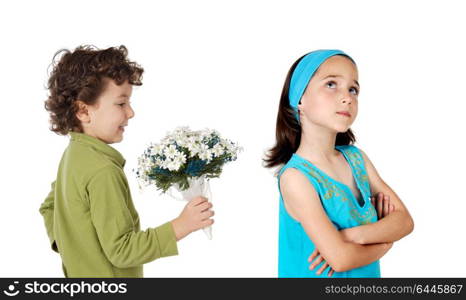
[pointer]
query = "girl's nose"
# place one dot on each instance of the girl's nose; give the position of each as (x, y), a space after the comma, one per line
(347, 99)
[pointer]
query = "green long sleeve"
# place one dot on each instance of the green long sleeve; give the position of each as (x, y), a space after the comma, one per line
(110, 212)
(46, 210)
(90, 217)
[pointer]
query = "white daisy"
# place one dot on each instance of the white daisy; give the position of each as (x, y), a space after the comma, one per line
(170, 151)
(156, 149)
(217, 150)
(173, 166)
(193, 149)
(206, 155)
(180, 159)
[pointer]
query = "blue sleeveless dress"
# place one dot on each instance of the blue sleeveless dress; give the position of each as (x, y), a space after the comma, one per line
(342, 208)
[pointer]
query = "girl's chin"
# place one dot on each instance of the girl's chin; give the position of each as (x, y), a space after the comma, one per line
(342, 129)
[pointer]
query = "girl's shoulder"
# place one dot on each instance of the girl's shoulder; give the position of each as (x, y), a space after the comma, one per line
(292, 163)
(297, 170)
(293, 181)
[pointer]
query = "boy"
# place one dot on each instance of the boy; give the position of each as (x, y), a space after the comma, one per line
(89, 214)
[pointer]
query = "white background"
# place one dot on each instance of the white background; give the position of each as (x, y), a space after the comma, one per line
(222, 65)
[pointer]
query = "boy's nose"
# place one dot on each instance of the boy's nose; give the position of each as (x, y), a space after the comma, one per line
(130, 113)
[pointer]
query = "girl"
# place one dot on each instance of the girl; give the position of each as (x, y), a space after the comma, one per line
(326, 183)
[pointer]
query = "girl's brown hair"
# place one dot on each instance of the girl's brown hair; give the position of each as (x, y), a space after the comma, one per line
(81, 75)
(288, 130)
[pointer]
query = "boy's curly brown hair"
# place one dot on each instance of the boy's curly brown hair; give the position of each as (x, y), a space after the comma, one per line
(79, 75)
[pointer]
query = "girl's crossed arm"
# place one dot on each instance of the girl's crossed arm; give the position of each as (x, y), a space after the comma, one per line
(303, 204)
(392, 227)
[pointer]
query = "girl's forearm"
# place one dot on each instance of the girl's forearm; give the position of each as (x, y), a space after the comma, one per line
(355, 256)
(389, 229)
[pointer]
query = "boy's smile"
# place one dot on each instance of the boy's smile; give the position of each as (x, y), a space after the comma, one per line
(107, 118)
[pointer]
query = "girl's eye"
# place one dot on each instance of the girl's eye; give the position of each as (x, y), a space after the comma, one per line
(121, 104)
(356, 91)
(331, 84)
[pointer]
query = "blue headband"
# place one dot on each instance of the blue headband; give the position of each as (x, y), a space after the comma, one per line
(304, 71)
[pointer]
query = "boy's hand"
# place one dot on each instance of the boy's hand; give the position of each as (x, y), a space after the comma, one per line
(195, 215)
(382, 205)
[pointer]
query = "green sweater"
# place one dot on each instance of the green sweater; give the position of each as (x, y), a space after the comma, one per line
(90, 217)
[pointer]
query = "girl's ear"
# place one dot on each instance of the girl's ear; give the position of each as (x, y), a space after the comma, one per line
(300, 106)
(300, 110)
(82, 112)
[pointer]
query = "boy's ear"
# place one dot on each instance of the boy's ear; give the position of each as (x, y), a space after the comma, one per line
(82, 112)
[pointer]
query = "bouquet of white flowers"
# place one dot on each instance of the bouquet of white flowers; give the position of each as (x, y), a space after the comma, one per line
(185, 160)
